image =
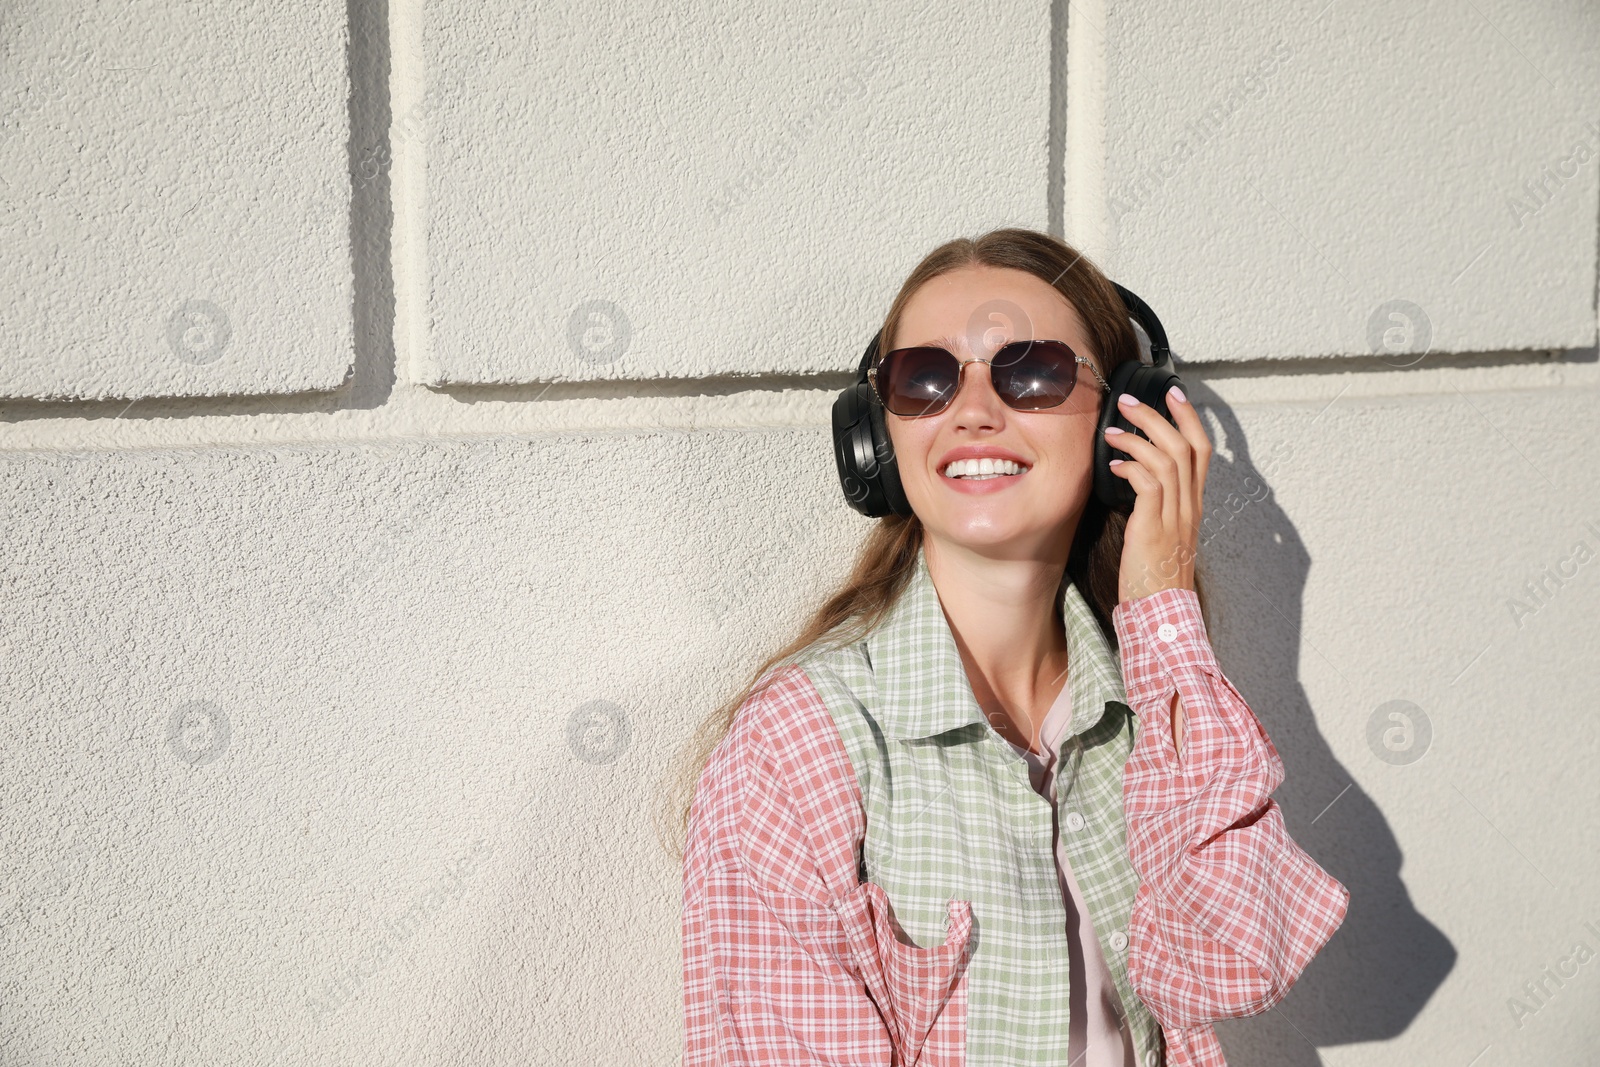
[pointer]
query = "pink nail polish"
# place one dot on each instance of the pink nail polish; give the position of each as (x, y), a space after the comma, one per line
(1175, 391)
(1128, 400)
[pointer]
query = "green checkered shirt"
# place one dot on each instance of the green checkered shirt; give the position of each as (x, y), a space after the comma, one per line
(951, 814)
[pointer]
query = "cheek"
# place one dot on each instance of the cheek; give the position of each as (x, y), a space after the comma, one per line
(911, 443)
(1074, 454)
(1076, 443)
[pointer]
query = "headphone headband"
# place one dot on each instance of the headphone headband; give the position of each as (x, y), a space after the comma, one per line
(1140, 312)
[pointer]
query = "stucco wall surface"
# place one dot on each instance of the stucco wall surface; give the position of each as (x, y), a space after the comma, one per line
(144, 147)
(653, 178)
(1286, 172)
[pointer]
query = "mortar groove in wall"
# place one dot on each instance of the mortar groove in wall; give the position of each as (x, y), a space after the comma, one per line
(395, 443)
(367, 57)
(803, 411)
(1365, 364)
(1056, 165)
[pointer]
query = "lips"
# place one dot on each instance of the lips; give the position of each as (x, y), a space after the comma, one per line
(982, 486)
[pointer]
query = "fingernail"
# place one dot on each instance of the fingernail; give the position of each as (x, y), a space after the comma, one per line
(1113, 429)
(1175, 391)
(1128, 400)
(1114, 463)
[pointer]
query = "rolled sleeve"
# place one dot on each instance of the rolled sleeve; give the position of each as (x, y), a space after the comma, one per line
(1229, 909)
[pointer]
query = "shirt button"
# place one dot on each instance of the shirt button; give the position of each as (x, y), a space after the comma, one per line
(1166, 631)
(1074, 821)
(1152, 1058)
(1119, 940)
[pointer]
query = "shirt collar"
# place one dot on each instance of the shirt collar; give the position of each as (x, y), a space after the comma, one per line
(922, 685)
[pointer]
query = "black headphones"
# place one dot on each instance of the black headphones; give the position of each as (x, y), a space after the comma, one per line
(867, 469)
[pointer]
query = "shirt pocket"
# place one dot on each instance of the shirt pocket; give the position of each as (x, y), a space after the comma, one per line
(921, 991)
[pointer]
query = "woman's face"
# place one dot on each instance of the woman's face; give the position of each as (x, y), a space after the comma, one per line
(1031, 515)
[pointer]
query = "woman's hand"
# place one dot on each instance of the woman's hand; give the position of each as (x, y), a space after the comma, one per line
(1168, 474)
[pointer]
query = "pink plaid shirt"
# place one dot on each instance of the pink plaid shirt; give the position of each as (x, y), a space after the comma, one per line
(1223, 923)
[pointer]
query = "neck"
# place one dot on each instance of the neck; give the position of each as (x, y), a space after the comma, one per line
(1002, 613)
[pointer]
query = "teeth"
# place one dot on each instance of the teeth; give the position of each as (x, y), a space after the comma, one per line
(981, 468)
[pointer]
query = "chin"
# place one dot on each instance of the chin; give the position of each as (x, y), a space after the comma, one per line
(990, 525)
(989, 531)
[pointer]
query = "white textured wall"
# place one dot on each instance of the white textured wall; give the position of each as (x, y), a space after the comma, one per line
(642, 192)
(1281, 174)
(339, 671)
(171, 181)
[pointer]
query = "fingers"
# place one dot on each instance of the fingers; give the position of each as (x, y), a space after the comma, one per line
(1153, 494)
(1143, 481)
(1150, 494)
(1180, 456)
(1172, 459)
(1193, 429)
(1141, 573)
(1166, 456)
(1194, 432)
(1170, 438)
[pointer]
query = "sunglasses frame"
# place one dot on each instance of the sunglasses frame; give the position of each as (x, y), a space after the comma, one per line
(961, 367)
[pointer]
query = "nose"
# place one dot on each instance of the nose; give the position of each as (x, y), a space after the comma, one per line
(976, 404)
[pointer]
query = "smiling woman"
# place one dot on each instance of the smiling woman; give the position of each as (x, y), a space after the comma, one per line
(883, 865)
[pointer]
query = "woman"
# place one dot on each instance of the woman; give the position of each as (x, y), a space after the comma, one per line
(953, 822)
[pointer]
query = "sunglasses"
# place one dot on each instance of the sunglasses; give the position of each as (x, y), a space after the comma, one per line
(1027, 375)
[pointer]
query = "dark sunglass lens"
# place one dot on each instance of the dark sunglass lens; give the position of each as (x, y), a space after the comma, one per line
(917, 381)
(1030, 375)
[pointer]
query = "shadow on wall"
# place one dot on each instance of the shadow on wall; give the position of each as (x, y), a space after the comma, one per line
(1385, 962)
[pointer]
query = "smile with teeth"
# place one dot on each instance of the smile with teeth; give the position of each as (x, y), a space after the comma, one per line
(979, 469)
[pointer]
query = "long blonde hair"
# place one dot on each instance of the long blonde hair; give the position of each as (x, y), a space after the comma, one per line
(885, 560)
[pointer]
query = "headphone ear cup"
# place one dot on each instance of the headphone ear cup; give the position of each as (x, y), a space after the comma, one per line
(864, 457)
(1112, 491)
(888, 464)
(849, 429)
